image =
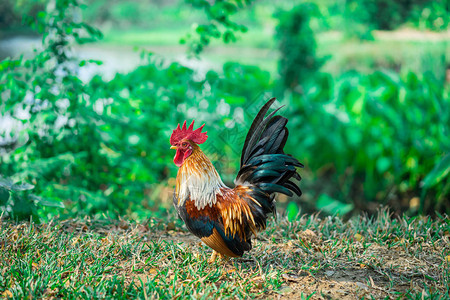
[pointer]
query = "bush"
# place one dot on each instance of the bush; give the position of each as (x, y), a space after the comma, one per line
(377, 139)
(297, 45)
(389, 15)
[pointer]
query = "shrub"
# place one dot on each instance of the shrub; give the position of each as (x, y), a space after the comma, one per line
(377, 139)
(297, 45)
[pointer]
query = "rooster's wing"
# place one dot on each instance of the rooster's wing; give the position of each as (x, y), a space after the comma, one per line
(226, 226)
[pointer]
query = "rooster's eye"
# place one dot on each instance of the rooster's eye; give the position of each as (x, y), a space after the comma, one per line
(184, 144)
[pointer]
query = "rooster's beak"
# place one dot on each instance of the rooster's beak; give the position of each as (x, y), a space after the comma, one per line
(173, 147)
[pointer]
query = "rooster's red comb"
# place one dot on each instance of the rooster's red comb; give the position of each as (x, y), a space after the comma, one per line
(197, 136)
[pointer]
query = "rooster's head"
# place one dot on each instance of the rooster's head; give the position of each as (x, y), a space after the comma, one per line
(184, 140)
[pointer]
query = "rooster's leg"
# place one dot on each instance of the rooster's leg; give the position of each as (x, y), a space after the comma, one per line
(214, 256)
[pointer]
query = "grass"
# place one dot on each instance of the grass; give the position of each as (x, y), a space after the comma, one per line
(379, 257)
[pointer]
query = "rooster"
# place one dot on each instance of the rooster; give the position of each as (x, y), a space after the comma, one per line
(226, 218)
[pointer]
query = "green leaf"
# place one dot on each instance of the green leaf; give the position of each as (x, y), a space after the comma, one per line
(23, 208)
(228, 36)
(292, 211)
(6, 183)
(358, 105)
(47, 202)
(235, 100)
(383, 164)
(333, 206)
(4, 196)
(439, 172)
(22, 187)
(94, 61)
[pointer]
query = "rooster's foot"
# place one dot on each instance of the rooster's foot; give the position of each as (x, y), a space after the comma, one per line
(214, 256)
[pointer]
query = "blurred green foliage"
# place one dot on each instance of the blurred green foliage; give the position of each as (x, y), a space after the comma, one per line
(16, 201)
(219, 23)
(351, 15)
(298, 60)
(97, 146)
(374, 138)
(387, 14)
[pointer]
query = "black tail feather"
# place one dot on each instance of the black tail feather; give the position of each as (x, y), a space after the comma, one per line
(274, 131)
(293, 187)
(264, 166)
(255, 136)
(258, 119)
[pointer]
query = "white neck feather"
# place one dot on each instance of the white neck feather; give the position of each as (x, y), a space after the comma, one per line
(198, 180)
